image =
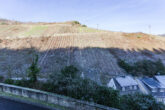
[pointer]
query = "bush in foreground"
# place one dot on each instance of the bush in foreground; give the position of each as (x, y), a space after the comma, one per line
(68, 83)
(140, 102)
(9, 81)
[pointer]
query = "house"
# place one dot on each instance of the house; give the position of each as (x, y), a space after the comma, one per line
(156, 88)
(160, 78)
(125, 84)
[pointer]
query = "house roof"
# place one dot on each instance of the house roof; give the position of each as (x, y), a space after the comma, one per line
(126, 81)
(152, 83)
(160, 78)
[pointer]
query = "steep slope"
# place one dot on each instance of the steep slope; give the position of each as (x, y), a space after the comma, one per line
(94, 52)
(162, 35)
(8, 22)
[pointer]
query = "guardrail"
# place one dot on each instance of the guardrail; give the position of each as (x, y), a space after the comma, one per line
(52, 98)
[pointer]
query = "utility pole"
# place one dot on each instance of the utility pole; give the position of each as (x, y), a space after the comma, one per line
(97, 26)
(149, 28)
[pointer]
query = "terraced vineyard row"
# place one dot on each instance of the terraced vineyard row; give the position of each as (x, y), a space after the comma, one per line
(91, 56)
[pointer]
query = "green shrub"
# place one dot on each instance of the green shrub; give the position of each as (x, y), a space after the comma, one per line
(143, 67)
(160, 67)
(9, 81)
(139, 102)
(18, 83)
(84, 25)
(69, 84)
(76, 22)
(69, 71)
(128, 68)
(48, 87)
(1, 78)
(73, 86)
(33, 70)
(107, 96)
(139, 36)
(24, 83)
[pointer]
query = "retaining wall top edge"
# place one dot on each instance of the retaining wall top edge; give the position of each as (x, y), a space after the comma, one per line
(60, 96)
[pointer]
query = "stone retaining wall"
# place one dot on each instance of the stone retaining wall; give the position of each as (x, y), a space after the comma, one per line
(52, 98)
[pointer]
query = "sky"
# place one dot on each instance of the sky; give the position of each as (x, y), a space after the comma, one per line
(116, 15)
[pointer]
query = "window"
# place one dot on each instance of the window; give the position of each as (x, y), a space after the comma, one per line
(161, 90)
(135, 87)
(123, 88)
(154, 90)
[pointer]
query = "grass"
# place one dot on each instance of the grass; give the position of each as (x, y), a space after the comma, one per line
(86, 29)
(36, 30)
(3, 23)
(139, 36)
(4, 27)
(33, 101)
(28, 30)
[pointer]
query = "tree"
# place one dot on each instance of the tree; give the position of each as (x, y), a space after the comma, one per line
(34, 70)
(143, 67)
(125, 65)
(69, 71)
(70, 84)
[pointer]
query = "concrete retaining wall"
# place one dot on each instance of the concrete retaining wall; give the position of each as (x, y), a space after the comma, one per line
(52, 98)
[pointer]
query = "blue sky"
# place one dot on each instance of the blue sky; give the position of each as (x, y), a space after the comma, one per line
(115, 15)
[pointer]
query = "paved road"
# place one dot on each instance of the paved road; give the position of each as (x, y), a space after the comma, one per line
(6, 104)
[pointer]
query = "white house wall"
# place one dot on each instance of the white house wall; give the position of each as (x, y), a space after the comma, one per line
(112, 84)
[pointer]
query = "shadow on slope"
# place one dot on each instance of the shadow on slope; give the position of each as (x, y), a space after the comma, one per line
(99, 64)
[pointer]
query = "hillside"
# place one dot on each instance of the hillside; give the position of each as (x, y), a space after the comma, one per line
(8, 22)
(162, 35)
(94, 52)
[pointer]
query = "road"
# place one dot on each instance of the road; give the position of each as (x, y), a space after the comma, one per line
(6, 104)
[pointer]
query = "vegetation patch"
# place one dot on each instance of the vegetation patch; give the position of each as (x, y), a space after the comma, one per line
(143, 67)
(140, 102)
(4, 23)
(76, 23)
(84, 25)
(33, 70)
(86, 29)
(69, 83)
(36, 30)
